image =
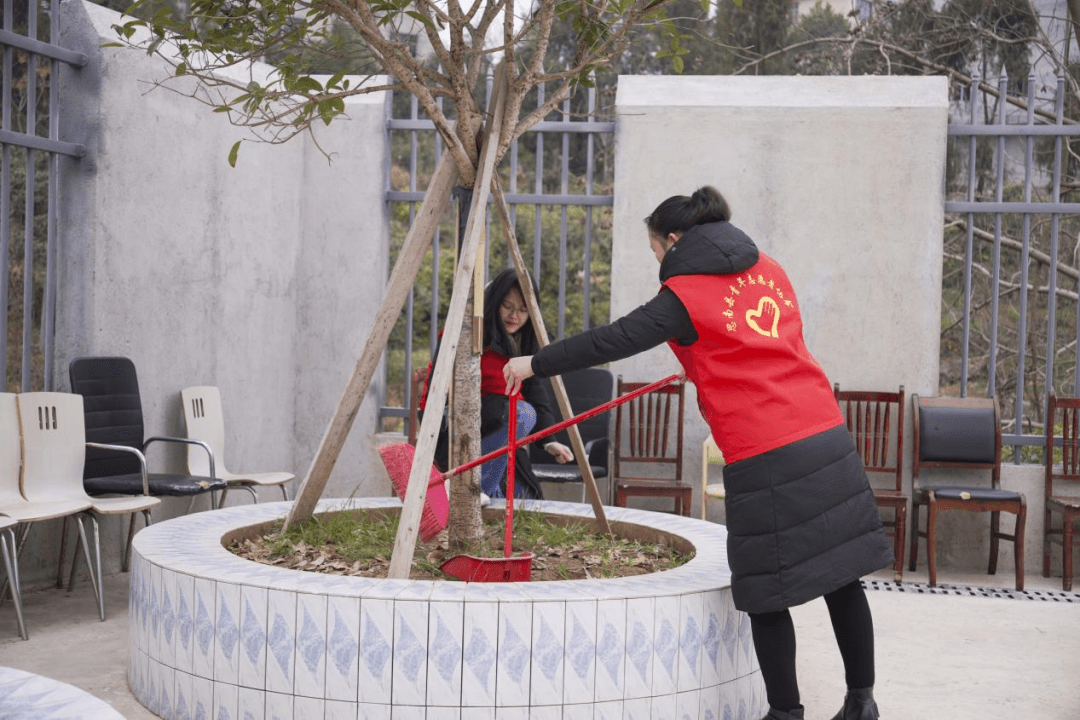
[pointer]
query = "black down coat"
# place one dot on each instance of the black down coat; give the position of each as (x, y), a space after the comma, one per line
(801, 522)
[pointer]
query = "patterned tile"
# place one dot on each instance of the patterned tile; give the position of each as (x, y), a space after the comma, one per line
(512, 672)
(664, 707)
(227, 649)
(410, 653)
(612, 710)
(184, 642)
(480, 633)
(253, 637)
(167, 613)
(226, 701)
(25, 695)
(342, 648)
(512, 713)
(166, 692)
(610, 650)
(408, 712)
(545, 712)
(376, 651)
(310, 663)
(665, 647)
(154, 611)
(202, 617)
(202, 698)
(280, 643)
(728, 707)
(579, 658)
(182, 696)
(445, 654)
(709, 704)
(306, 708)
(251, 704)
(578, 712)
(688, 705)
(637, 709)
(477, 713)
(745, 659)
(729, 639)
(548, 650)
(340, 710)
(372, 711)
(278, 706)
(690, 641)
(443, 713)
(711, 616)
(640, 622)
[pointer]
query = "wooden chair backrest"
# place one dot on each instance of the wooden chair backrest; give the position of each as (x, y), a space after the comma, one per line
(876, 423)
(1066, 411)
(649, 428)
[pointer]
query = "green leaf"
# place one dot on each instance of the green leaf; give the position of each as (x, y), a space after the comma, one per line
(181, 69)
(420, 17)
(232, 153)
(677, 63)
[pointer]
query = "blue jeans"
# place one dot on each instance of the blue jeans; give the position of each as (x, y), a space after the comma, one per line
(493, 472)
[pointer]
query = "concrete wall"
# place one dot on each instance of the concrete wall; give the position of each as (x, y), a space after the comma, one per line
(838, 178)
(262, 279)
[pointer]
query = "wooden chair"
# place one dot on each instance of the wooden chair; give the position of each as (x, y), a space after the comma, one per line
(649, 432)
(876, 423)
(1066, 412)
(710, 492)
(962, 433)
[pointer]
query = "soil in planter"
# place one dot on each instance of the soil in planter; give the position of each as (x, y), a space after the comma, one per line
(359, 543)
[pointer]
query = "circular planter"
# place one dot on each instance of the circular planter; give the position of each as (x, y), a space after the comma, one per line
(220, 637)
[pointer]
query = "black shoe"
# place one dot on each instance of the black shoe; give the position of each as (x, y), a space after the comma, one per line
(858, 705)
(775, 714)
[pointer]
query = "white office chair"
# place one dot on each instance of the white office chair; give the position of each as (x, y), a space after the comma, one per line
(204, 421)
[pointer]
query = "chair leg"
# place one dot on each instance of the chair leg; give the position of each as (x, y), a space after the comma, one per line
(19, 541)
(1018, 546)
(11, 566)
(1067, 550)
(1046, 543)
(931, 545)
(125, 566)
(900, 524)
(63, 551)
(95, 573)
(254, 493)
(995, 534)
(914, 554)
(285, 493)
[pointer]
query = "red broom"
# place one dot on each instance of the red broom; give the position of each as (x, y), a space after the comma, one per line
(398, 459)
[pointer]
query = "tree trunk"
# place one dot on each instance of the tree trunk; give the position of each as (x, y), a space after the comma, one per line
(465, 524)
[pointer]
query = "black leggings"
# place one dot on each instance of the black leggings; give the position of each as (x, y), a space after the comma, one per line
(774, 640)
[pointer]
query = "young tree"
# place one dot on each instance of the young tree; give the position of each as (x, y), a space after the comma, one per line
(217, 42)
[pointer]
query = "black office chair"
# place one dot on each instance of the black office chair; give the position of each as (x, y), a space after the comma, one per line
(112, 409)
(585, 389)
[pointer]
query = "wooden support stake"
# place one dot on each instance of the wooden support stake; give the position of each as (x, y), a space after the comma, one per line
(556, 382)
(408, 262)
(416, 493)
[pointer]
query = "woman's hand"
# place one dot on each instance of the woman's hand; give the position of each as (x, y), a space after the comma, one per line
(515, 371)
(560, 452)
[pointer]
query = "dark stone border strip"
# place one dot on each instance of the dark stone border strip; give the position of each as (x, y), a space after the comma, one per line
(969, 591)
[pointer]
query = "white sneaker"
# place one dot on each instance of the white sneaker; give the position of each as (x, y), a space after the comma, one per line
(484, 499)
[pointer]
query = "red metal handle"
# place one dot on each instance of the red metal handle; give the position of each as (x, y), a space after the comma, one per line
(564, 424)
(512, 446)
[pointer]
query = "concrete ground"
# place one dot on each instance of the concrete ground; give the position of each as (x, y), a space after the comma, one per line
(939, 656)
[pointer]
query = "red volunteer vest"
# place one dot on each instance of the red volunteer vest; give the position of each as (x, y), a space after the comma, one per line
(759, 388)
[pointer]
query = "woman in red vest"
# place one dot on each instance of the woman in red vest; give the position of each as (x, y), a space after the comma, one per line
(802, 521)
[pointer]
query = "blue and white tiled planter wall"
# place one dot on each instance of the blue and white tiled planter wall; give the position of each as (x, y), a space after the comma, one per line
(218, 637)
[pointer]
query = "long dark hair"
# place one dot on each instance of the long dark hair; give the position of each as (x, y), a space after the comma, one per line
(494, 333)
(679, 213)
